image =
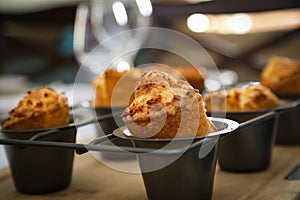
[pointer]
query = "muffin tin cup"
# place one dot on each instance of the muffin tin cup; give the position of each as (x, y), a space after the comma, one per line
(38, 169)
(288, 127)
(188, 177)
(170, 172)
(107, 126)
(288, 124)
(249, 149)
(110, 124)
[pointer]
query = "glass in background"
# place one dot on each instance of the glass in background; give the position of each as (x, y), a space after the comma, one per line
(100, 20)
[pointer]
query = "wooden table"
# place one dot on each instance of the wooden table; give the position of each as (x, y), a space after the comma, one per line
(93, 180)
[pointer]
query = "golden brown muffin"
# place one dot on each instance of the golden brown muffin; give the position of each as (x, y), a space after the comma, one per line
(282, 75)
(193, 76)
(105, 87)
(252, 97)
(41, 108)
(164, 107)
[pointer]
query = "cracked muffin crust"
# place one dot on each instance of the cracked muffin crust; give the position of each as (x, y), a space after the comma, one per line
(42, 108)
(164, 107)
(282, 75)
(252, 97)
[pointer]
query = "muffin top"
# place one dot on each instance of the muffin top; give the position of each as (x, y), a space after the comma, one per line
(282, 75)
(164, 107)
(38, 104)
(113, 88)
(159, 89)
(195, 77)
(250, 98)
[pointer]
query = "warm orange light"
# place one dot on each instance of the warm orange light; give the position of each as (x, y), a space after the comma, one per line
(241, 23)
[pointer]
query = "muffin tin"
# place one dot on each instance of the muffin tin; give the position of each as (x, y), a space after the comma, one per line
(185, 153)
(201, 167)
(36, 169)
(177, 161)
(107, 126)
(289, 135)
(250, 149)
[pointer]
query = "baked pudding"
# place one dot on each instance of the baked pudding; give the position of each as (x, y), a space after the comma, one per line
(164, 107)
(41, 108)
(113, 88)
(249, 98)
(282, 75)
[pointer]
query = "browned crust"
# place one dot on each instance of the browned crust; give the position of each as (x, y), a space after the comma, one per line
(42, 108)
(282, 75)
(163, 107)
(107, 84)
(193, 76)
(248, 99)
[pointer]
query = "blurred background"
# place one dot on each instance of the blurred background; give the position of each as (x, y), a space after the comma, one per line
(37, 38)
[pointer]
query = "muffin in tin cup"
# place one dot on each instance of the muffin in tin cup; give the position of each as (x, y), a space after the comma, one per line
(249, 149)
(39, 169)
(282, 75)
(41, 115)
(179, 168)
